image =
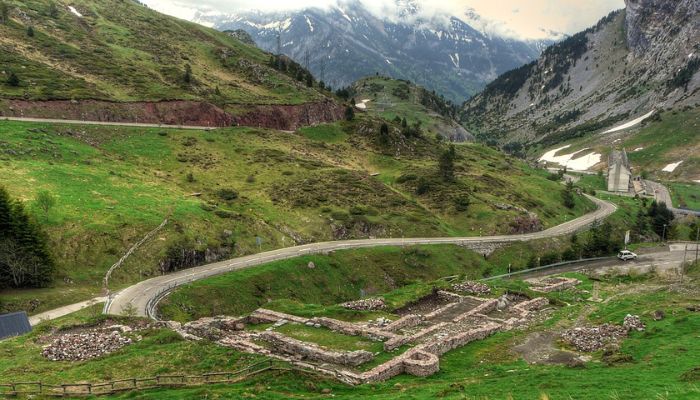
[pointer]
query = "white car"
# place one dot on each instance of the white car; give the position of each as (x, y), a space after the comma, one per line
(625, 255)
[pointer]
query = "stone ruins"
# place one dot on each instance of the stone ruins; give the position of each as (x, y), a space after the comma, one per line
(424, 332)
(552, 284)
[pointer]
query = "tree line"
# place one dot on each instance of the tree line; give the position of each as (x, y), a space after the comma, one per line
(25, 261)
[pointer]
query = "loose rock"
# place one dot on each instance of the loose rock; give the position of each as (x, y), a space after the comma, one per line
(370, 304)
(476, 288)
(84, 346)
(633, 322)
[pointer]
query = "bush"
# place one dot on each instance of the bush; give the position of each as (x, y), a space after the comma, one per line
(225, 214)
(462, 203)
(423, 186)
(340, 215)
(406, 178)
(166, 336)
(227, 194)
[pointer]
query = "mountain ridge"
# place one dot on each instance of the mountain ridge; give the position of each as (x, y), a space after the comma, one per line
(442, 54)
(606, 74)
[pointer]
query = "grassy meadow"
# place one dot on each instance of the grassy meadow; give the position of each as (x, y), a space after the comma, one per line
(224, 188)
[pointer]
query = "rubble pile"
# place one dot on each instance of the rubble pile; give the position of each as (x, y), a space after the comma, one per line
(633, 322)
(370, 304)
(471, 287)
(84, 346)
(591, 339)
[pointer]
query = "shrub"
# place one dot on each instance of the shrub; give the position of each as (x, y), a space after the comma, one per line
(423, 186)
(227, 194)
(406, 177)
(340, 215)
(462, 203)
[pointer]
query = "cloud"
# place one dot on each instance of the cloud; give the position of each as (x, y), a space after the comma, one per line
(529, 19)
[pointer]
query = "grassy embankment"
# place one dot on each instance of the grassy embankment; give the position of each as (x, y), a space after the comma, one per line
(657, 142)
(114, 184)
(660, 362)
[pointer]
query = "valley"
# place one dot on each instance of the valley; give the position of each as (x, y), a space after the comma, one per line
(419, 202)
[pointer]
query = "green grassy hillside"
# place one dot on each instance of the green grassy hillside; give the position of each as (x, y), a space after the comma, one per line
(222, 189)
(665, 138)
(121, 50)
(660, 362)
(393, 98)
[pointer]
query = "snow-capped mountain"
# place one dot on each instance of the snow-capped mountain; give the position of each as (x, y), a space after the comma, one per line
(346, 42)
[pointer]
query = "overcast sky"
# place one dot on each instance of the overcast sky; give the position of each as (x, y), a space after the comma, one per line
(521, 18)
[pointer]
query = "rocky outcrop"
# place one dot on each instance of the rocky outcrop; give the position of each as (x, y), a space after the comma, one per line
(633, 62)
(647, 21)
(289, 117)
(178, 112)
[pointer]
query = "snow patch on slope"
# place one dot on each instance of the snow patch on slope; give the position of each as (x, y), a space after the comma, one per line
(75, 12)
(308, 22)
(672, 167)
(630, 123)
(570, 160)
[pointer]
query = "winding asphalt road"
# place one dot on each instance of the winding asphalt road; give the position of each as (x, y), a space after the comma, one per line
(143, 297)
(662, 195)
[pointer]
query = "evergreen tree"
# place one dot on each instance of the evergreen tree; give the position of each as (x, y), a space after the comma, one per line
(384, 134)
(53, 10)
(13, 79)
(4, 12)
(25, 260)
(661, 217)
(30, 31)
(188, 74)
(446, 164)
(349, 113)
(309, 80)
(568, 195)
(5, 214)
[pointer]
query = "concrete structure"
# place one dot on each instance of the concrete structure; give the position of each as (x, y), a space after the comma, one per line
(619, 172)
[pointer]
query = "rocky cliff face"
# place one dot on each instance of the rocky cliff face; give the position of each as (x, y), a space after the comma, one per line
(649, 21)
(178, 112)
(290, 117)
(632, 62)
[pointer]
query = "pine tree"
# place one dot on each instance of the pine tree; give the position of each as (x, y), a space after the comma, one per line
(384, 134)
(53, 10)
(5, 214)
(568, 195)
(349, 113)
(4, 12)
(30, 31)
(446, 164)
(13, 79)
(25, 260)
(188, 74)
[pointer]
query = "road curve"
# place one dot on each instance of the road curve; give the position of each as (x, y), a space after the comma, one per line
(105, 123)
(663, 195)
(143, 296)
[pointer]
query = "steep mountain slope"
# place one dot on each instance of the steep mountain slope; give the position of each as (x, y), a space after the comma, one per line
(222, 189)
(120, 51)
(632, 62)
(347, 42)
(394, 99)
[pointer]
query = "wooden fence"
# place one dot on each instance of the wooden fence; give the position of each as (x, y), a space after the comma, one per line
(158, 381)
